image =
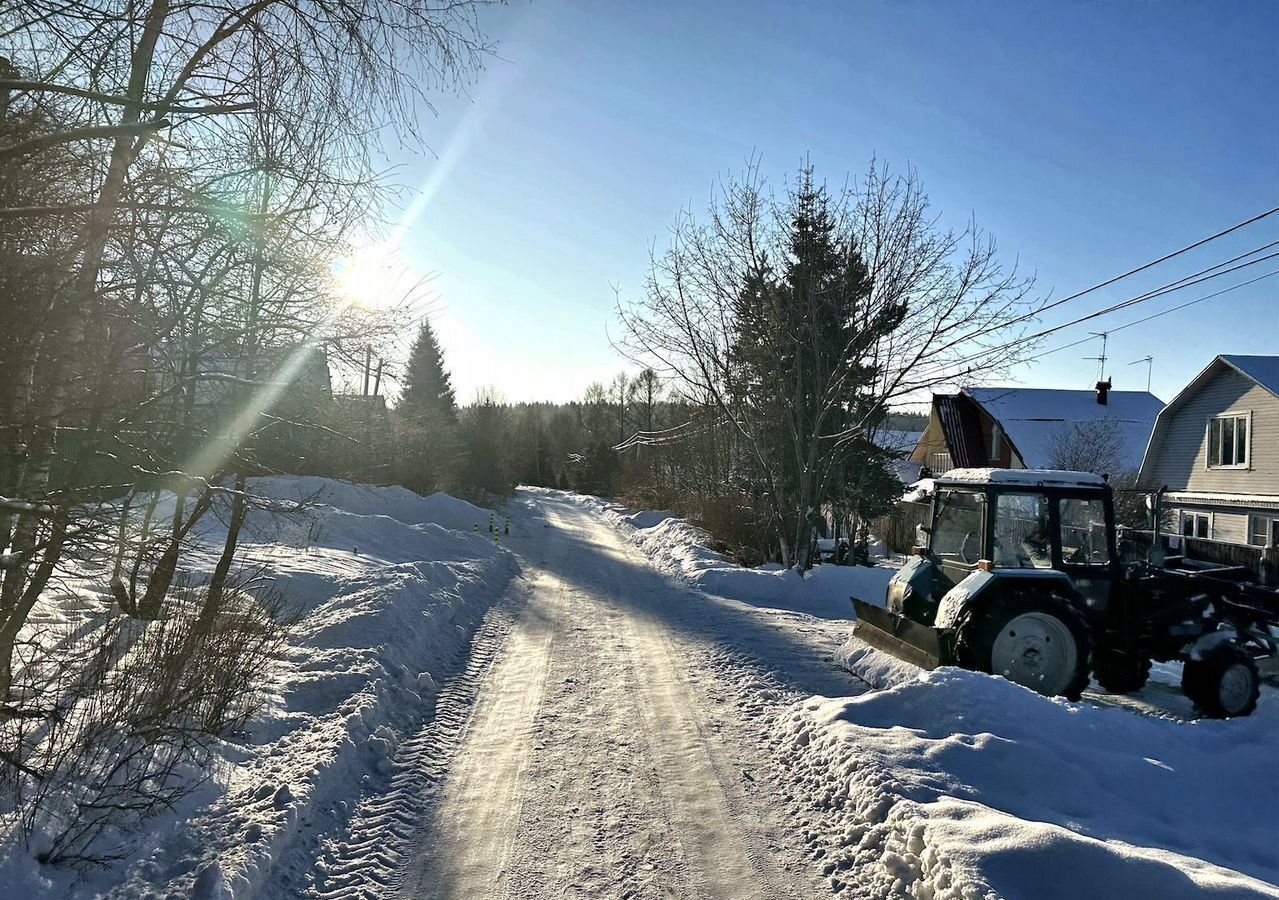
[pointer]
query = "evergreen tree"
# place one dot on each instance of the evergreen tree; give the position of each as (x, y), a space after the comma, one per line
(803, 370)
(426, 420)
(428, 390)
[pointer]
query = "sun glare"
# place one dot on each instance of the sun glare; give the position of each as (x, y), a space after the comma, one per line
(370, 279)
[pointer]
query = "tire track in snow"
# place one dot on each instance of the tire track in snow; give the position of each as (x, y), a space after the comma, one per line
(368, 862)
(473, 824)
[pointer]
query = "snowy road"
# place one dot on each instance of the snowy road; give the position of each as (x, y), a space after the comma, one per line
(594, 763)
(613, 746)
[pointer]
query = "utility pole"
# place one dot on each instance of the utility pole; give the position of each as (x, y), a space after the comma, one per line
(1150, 364)
(368, 364)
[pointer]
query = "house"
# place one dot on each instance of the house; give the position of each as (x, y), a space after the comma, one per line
(1100, 430)
(1216, 449)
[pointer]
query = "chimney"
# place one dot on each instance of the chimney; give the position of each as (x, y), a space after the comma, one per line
(1103, 392)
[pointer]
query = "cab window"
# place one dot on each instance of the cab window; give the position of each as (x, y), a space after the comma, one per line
(1083, 532)
(1022, 532)
(957, 527)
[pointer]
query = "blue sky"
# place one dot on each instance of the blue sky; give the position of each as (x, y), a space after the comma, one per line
(1089, 137)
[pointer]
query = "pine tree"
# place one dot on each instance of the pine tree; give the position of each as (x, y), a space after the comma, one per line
(428, 390)
(427, 422)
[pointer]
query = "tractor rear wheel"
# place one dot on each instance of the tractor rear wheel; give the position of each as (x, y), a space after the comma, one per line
(1223, 682)
(1119, 672)
(1039, 641)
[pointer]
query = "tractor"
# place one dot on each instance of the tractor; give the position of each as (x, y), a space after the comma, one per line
(1020, 576)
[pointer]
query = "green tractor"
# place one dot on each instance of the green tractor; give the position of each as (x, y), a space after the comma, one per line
(1021, 577)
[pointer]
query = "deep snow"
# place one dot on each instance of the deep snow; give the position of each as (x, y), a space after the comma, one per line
(392, 585)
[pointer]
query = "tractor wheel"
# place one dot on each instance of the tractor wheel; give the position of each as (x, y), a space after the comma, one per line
(1223, 682)
(1038, 641)
(1120, 672)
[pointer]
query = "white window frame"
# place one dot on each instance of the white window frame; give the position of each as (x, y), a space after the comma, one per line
(1194, 515)
(1232, 414)
(1269, 529)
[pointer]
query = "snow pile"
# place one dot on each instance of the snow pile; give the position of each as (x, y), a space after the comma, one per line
(682, 549)
(953, 784)
(392, 586)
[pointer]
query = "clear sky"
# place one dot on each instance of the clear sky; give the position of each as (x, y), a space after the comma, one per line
(1089, 137)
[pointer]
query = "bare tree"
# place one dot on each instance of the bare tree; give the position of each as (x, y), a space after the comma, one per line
(741, 291)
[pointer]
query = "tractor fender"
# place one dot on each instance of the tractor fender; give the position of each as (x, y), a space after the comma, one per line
(981, 586)
(1209, 641)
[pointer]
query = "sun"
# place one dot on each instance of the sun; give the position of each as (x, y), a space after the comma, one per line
(370, 279)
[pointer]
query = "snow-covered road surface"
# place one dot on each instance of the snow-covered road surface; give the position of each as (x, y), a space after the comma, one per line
(610, 751)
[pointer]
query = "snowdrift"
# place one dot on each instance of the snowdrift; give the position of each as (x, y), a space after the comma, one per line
(392, 585)
(683, 550)
(954, 784)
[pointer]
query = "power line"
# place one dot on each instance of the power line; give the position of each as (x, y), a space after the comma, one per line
(940, 373)
(1171, 309)
(1096, 287)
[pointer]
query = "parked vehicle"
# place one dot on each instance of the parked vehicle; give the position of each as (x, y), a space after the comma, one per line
(1021, 577)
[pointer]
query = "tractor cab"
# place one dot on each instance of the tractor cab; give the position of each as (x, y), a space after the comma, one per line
(1025, 519)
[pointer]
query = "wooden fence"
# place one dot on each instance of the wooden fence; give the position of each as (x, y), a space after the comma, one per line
(898, 529)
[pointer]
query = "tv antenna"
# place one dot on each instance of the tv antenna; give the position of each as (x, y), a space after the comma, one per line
(1150, 364)
(1101, 360)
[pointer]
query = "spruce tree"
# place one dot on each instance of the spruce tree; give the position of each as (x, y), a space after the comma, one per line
(426, 420)
(428, 390)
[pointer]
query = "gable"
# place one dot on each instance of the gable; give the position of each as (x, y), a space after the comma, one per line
(1178, 449)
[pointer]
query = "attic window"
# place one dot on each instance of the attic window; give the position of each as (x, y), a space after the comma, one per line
(996, 444)
(1228, 442)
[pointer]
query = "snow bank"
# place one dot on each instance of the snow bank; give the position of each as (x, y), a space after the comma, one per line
(683, 550)
(392, 586)
(953, 784)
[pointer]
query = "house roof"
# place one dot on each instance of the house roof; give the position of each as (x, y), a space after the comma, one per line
(1262, 369)
(1035, 419)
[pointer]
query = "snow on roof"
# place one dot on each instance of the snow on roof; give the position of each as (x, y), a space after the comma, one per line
(1031, 477)
(1035, 419)
(1262, 369)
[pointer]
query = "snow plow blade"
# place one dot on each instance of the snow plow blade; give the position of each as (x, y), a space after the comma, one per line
(901, 637)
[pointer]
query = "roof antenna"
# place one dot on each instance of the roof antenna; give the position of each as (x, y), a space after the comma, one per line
(1101, 368)
(1150, 364)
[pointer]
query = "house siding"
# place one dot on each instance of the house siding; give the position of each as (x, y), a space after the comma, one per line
(1180, 451)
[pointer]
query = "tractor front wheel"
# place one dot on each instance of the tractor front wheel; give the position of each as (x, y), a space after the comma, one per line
(1039, 641)
(1223, 682)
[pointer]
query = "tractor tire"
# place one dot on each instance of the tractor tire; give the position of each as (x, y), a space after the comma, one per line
(1223, 682)
(1014, 637)
(1119, 672)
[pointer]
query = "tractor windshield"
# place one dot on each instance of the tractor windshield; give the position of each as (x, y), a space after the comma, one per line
(1022, 532)
(957, 527)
